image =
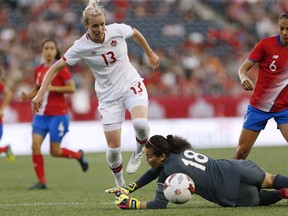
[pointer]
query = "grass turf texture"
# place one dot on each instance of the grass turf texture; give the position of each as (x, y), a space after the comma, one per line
(72, 192)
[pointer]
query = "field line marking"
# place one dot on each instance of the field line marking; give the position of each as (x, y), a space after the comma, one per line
(41, 204)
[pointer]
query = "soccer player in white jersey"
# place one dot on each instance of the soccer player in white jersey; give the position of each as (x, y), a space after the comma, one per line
(118, 85)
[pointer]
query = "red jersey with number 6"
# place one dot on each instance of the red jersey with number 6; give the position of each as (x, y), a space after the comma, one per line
(54, 102)
(271, 91)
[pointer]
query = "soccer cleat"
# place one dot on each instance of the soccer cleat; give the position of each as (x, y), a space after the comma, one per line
(283, 193)
(134, 162)
(38, 186)
(83, 161)
(9, 155)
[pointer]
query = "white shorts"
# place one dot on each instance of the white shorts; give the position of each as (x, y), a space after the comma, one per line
(114, 111)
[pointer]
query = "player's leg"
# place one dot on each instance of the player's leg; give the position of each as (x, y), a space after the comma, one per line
(278, 182)
(252, 179)
(2, 149)
(282, 121)
(7, 150)
(113, 152)
(112, 115)
(9, 154)
(38, 159)
(142, 131)
(246, 141)
(137, 103)
(58, 127)
(268, 197)
(284, 130)
(39, 132)
(255, 120)
(248, 195)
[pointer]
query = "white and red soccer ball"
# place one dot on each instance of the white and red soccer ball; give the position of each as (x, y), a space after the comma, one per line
(179, 188)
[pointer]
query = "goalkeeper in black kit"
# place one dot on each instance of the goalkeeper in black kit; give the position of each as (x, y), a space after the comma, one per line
(228, 183)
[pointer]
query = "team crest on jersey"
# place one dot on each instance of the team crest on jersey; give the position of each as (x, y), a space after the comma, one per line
(113, 43)
(275, 56)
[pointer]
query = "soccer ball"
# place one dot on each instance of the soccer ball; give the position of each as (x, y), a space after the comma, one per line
(179, 188)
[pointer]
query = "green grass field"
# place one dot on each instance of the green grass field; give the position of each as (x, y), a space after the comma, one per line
(72, 192)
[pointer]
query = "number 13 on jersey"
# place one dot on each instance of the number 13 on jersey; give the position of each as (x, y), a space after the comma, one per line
(137, 88)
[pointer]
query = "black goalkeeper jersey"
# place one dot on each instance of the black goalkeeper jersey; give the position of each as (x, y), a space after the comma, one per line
(216, 180)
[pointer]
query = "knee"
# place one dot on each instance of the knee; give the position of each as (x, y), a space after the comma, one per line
(242, 152)
(240, 155)
(141, 126)
(36, 148)
(55, 152)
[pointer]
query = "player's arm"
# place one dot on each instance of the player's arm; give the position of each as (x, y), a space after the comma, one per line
(245, 80)
(50, 75)
(69, 87)
(123, 201)
(149, 176)
(6, 100)
(30, 95)
(152, 57)
(145, 179)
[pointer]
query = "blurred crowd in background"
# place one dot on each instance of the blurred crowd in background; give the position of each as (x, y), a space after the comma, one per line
(201, 43)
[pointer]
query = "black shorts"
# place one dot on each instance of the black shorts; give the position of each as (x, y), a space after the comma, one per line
(251, 179)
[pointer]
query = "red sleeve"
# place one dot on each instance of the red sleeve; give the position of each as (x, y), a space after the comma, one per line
(258, 52)
(1, 87)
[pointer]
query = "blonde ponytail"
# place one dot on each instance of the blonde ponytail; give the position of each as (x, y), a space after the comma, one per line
(92, 9)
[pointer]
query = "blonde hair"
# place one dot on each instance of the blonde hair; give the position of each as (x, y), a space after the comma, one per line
(93, 9)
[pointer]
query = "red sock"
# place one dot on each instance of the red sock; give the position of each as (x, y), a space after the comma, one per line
(70, 154)
(3, 149)
(38, 163)
(141, 142)
(116, 169)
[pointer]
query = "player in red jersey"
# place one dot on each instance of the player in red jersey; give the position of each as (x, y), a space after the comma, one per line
(6, 100)
(53, 117)
(269, 99)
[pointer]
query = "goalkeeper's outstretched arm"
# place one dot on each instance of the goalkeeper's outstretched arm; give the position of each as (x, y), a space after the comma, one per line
(124, 202)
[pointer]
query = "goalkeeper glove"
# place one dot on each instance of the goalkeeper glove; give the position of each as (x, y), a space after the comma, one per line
(127, 189)
(124, 202)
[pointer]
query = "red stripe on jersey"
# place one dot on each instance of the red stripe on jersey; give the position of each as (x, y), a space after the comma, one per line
(87, 36)
(280, 103)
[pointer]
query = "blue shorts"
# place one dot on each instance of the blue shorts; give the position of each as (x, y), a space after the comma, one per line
(256, 119)
(56, 126)
(1, 130)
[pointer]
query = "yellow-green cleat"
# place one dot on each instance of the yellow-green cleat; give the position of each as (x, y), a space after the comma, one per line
(9, 155)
